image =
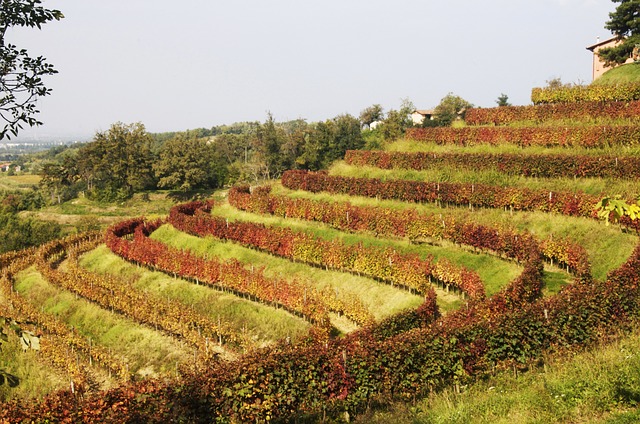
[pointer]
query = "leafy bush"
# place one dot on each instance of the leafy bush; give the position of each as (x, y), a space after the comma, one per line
(529, 165)
(597, 136)
(579, 93)
(553, 111)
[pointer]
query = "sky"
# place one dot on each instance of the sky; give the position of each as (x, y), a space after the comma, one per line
(177, 65)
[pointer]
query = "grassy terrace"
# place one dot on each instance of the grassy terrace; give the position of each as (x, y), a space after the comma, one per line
(381, 300)
(262, 324)
(494, 272)
(593, 186)
(403, 145)
(607, 246)
(147, 352)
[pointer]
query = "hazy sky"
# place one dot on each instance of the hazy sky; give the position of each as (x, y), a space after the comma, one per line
(176, 65)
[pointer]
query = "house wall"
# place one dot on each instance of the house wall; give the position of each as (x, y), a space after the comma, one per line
(599, 67)
(417, 118)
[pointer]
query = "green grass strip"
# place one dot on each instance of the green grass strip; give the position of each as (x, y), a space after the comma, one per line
(382, 300)
(263, 324)
(607, 246)
(147, 351)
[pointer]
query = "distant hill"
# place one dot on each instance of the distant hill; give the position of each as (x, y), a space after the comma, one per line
(620, 75)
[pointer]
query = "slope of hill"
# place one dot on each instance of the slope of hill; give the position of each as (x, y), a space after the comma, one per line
(621, 75)
(387, 278)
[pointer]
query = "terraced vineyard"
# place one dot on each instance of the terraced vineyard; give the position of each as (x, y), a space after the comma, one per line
(450, 255)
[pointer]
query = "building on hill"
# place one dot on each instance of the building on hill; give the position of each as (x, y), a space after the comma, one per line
(418, 116)
(599, 67)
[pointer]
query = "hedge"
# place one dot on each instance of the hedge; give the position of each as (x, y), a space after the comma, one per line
(585, 111)
(528, 165)
(595, 136)
(587, 93)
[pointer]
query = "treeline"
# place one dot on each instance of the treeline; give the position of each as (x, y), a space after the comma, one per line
(127, 159)
(17, 232)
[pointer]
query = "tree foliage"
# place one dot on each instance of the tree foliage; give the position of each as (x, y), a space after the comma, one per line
(18, 233)
(397, 121)
(20, 74)
(624, 23)
(503, 100)
(451, 108)
(371, 114)
(615, 208)
(187, 163)
(117, 162)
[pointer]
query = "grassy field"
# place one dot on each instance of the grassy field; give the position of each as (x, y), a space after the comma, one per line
(620, 75)
(18, 182)
(69, 213)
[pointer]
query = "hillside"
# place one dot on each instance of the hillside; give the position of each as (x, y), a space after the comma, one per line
(624, 74)
(451, 256)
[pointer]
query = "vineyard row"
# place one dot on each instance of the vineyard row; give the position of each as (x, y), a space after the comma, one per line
(117, 296)
(591, 136)
(328, 376)
(578, 204)
(384, 264)
(60, 345)
(414, 225)
(588, 110)
(230, 275)
(528, 165)
(584, 93)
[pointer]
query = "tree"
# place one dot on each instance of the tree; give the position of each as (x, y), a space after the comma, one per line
(371, 114)
(20, 74)
(314, 150)
(624, 23)
(503, 100)
(187, 163)
(397, 121)
(269, 140)
(55, 179)
(118, 162)
(347, 136)
(451, 108)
